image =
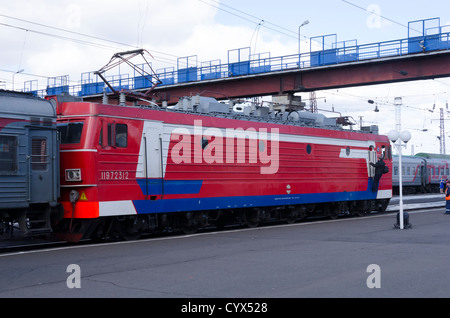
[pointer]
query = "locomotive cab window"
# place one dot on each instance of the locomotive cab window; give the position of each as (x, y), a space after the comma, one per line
(70, 132)
(121, 135)
(117, 135)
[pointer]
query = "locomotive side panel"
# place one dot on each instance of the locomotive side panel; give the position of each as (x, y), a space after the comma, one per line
(135, 168)
(328, 170)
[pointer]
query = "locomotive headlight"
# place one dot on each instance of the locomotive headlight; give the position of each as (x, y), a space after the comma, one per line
(74, 196)
(73, 175)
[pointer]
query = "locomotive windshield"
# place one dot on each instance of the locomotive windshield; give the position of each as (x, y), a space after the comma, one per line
(70, 132)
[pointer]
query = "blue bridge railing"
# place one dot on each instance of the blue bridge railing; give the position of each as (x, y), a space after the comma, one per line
(242, 63)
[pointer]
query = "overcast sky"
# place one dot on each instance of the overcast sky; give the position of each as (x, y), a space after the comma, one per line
(35, 38)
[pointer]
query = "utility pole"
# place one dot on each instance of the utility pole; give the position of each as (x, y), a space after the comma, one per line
(313, 102)
(442, 139)
(398, 102)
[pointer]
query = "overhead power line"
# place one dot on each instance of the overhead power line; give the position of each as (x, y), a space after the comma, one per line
(58, 36)
(253, 19)
(72, 39)
(67, 31)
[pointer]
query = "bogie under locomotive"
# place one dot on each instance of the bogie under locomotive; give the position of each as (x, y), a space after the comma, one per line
(127, 170)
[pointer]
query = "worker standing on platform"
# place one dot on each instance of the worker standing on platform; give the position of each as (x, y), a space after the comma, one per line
(447, 198)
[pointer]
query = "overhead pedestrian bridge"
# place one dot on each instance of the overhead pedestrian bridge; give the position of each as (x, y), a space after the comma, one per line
(424, 54)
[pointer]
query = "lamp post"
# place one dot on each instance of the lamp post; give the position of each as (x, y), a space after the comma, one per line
(397, 138)
(299, 38)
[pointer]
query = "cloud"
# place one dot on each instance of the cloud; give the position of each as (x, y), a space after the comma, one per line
(179, 28)
(50, 52)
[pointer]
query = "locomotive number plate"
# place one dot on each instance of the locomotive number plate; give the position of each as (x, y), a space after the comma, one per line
(114, 175)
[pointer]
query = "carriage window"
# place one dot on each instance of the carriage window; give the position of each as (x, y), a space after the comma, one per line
(70, 132)
(39, 154)
(8, 154)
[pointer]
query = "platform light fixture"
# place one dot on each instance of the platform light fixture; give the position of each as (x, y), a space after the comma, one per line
(400, 139)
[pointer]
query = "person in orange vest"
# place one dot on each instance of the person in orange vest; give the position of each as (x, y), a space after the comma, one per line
(447, 198)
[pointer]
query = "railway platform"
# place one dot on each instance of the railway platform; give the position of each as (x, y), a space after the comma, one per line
(344, 258)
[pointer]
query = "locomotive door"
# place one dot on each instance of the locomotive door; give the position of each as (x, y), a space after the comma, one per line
(153, 159)
(40, 164)
(372, 159)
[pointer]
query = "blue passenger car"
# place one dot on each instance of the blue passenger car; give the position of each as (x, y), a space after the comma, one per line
(29, 163)
(420, 173)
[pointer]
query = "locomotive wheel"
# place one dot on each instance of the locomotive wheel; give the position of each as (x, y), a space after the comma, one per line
(190, 224)
(291, 220)
(329, 212)
(129, 236)
(359, 213)
(131, 228)
(189, 229)
(252, 224)
(251, 218)
(290, 216)
(360, 208)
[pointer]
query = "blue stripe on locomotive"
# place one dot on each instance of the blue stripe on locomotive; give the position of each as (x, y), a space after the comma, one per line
(155, 186)
(215, 203)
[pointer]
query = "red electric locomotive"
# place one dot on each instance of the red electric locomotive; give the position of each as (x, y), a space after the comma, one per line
(126, 170)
